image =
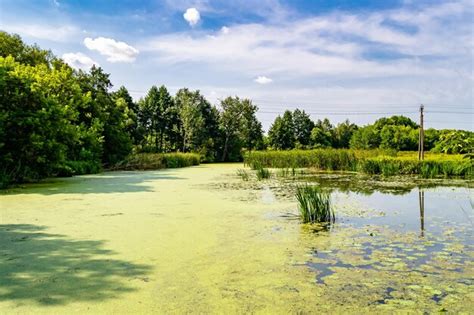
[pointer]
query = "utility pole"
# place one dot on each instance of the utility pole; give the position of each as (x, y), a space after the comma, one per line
(421, 138)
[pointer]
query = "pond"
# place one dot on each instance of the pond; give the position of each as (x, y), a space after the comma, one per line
(202, 240)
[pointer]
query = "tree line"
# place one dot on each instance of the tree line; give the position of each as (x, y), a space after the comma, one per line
(296, 130)
(55, 120)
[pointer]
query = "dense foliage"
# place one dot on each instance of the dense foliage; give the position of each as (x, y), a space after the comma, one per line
(373, 162)
(55, 120)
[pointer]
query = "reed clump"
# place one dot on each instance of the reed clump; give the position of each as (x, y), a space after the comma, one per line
(373, 162)
(243, 174)
(263, 173)
(314, 205)
(153, 161)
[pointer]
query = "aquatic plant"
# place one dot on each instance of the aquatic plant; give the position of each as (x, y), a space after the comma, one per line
(243, 174)
(263, 173)
(153, 161)
(373, 162)
(314, 205)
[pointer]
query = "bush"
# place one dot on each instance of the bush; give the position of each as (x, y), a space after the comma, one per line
(153, 161)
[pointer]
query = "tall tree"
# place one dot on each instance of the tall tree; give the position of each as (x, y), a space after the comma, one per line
(131, 113)
(117, 143)
(343, 134)
(303, 127)
(198, 124)
(282, 132)
(240, 127)
(322, 135)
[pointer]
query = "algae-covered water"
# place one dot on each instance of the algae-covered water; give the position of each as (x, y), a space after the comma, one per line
(201, 240)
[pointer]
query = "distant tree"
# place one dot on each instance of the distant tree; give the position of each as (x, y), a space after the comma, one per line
(343, 134)
(365, 138)
(303, 127)
(131, 110)
(117, 142)
(281, 135)
(147, 117)
(399, 137)
(252, 132)
(240, 127)
(322, 135)
(431, 138)
(394, 121)
(198, 127)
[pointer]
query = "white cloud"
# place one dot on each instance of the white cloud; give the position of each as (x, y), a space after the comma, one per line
(192, 16)
(115, 51)
(225, 30)
(79, 61)
(263, 80)
(336, 44)
(55, 33)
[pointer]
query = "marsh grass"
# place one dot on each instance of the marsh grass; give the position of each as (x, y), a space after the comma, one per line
(314, 205)
(263, 173)
(153, 161)
(243, 174)
(372, 162)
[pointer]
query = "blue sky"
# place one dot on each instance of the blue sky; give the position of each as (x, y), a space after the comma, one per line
(338, 59)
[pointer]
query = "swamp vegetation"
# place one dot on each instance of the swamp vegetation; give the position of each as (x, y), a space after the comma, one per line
(327, 219)
(60, 121)
(167, 242)
(372, 162)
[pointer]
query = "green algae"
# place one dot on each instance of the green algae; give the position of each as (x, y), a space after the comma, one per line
(201, 240)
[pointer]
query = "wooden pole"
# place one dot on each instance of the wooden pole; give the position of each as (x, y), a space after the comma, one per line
(421, 138)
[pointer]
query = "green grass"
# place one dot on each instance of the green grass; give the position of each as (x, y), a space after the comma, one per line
(314, 205)
(263, 173)
(243, 174)
(373, 162)
(153, 161)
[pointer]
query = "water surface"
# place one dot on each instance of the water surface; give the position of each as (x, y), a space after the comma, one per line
(201, 240)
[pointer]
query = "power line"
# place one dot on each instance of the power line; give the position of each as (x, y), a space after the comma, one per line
(343, 113)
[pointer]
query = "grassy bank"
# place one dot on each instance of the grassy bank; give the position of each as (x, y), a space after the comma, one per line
(153, 161)
(387, 163)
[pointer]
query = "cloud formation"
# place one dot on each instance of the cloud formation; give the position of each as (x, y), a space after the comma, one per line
(79, 61)
(192, 16)
(381, 44)
(115, 51)
(263, 80)
(55, 33)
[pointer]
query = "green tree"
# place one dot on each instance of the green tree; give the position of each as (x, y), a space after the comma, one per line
(303, 127)
(322, 135)
(124, 100)
(117, 143)
(281, 135)
(12, 45)
(198, 124)
(365, 138)
(343, 134)
(399, 137)
(455, 142)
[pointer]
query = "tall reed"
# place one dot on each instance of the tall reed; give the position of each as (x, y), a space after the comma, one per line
(263, 173)
(314, 205)
(383, 162)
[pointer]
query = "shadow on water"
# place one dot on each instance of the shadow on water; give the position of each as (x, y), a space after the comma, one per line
(51, 269)
(109, 182)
